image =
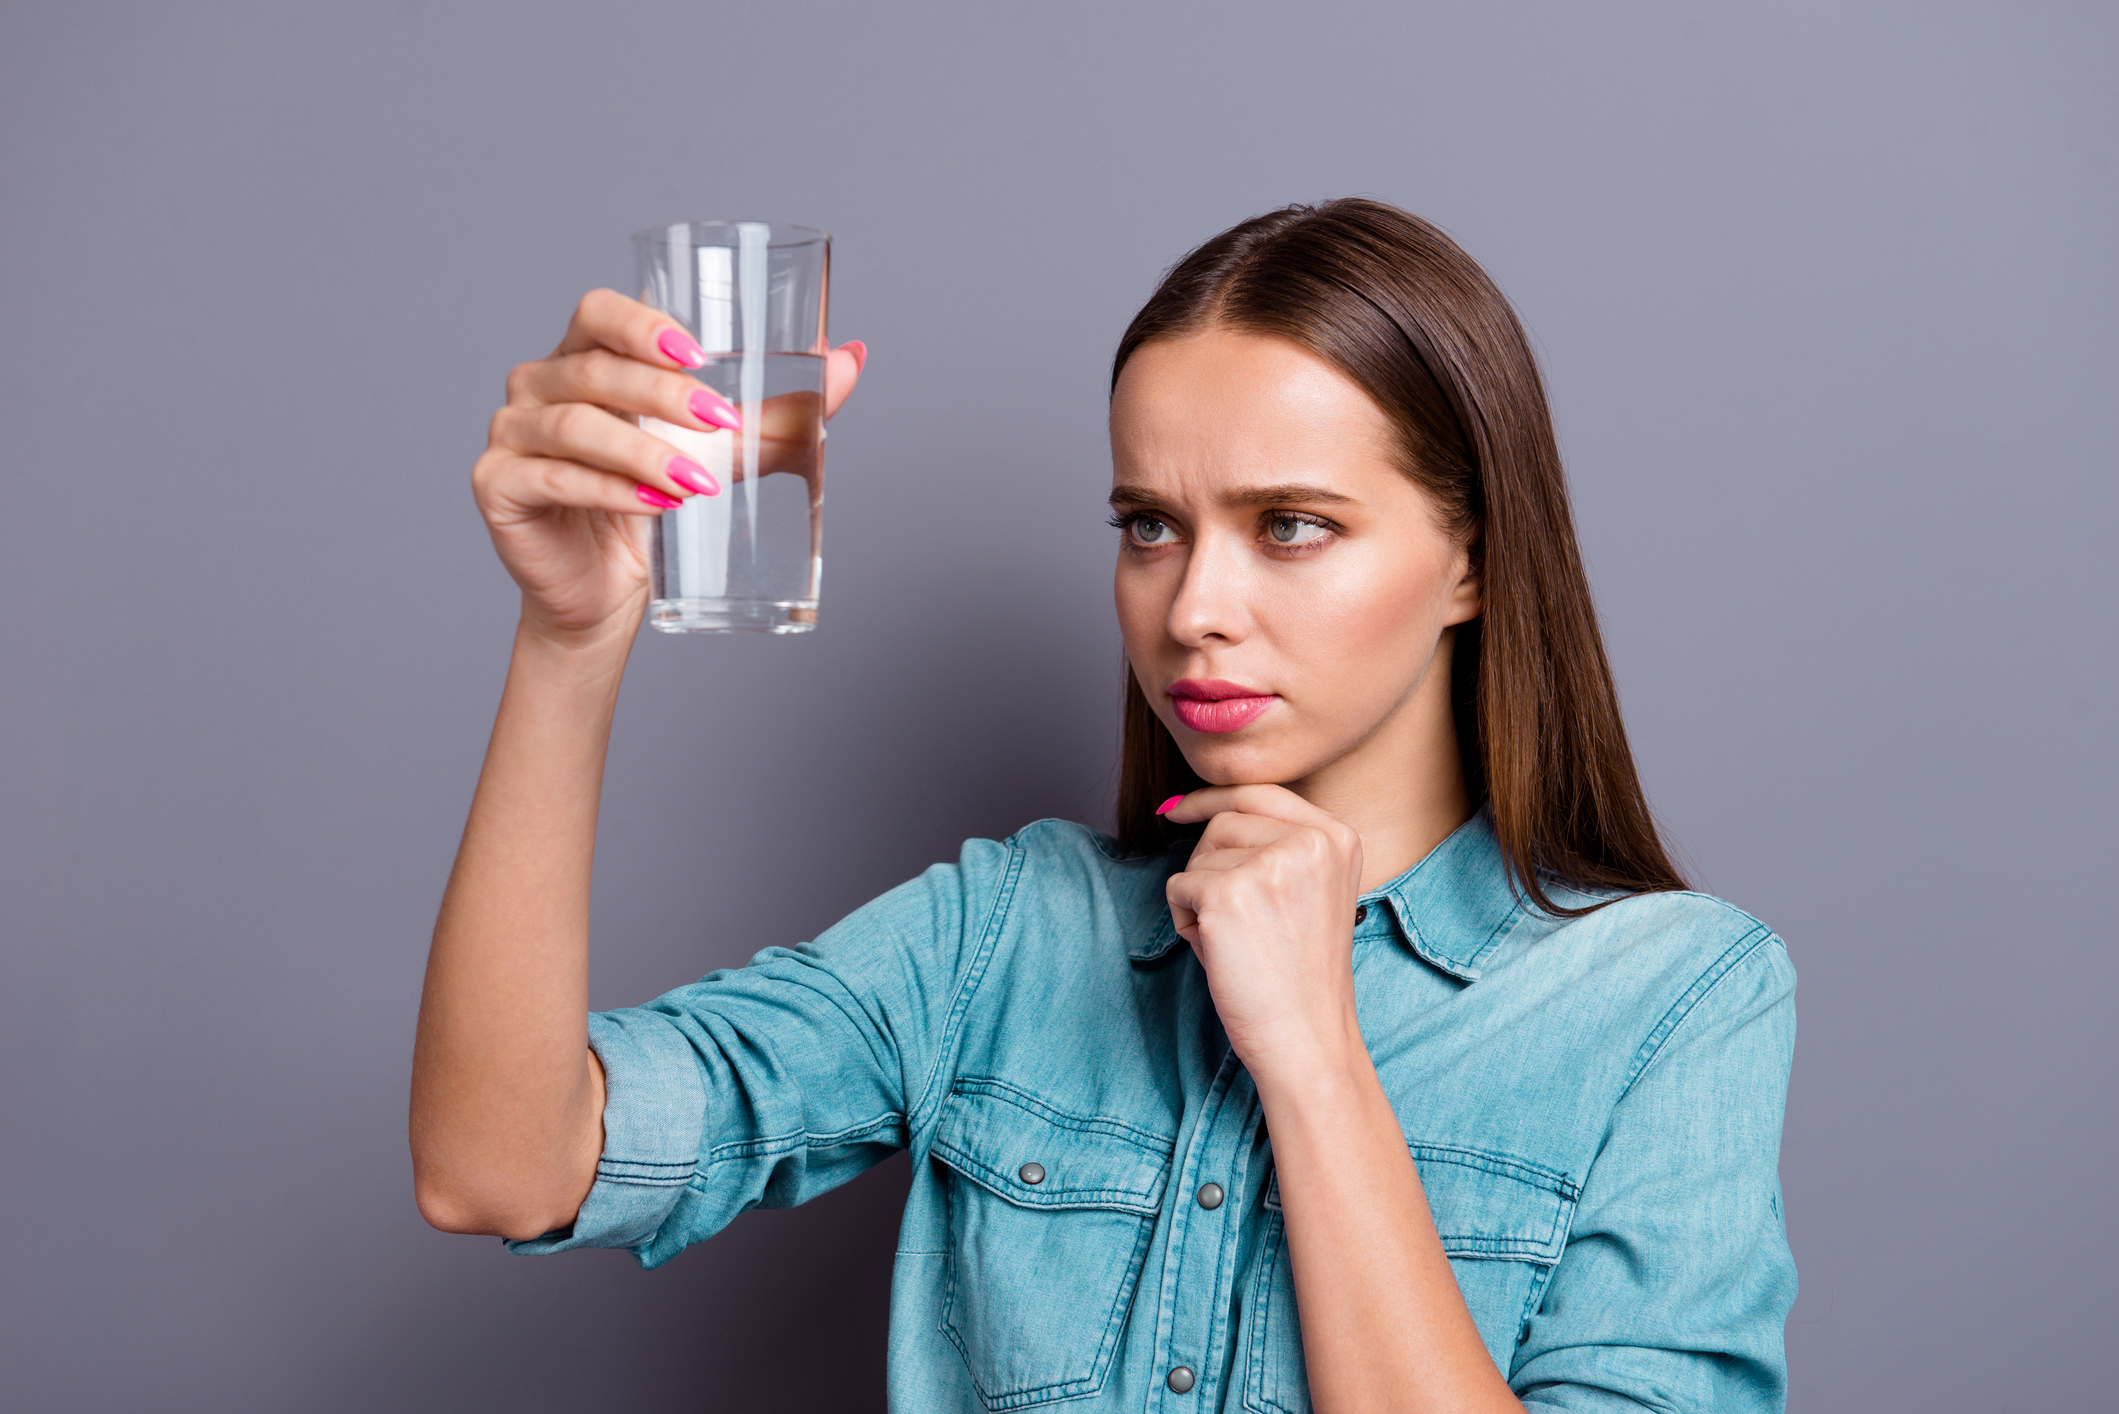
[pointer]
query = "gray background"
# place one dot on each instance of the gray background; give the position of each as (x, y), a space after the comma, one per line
(1825, 294)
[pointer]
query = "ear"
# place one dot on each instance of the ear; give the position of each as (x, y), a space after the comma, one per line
(1467, 598)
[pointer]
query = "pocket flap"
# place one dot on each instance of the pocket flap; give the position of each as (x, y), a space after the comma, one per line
(1489, 1205)
(995, 1134)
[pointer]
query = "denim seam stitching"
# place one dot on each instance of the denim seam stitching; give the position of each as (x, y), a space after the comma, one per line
(967, 987)
(996, 1182)
(1540, 1278)
(1506, 1165)
(1500, 1249)
(1544, 1251)
(1256, 1397)
(1214, 1355)
(1086, 1124)
(629, 1180)
(1426, 950)
(1732, 957)
(1503, 930)
(797, 1139)
(1057, 1390)
(1728, 972)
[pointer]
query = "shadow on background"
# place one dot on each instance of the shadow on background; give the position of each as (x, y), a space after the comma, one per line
(786, 1309)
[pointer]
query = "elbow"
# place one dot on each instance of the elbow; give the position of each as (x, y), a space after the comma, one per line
(445, 1208)
(457, 1208)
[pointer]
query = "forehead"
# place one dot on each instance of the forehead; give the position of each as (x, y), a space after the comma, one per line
(1219, 406)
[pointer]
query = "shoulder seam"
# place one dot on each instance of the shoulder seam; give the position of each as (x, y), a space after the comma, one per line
(1086, 834)
(1503, 931)
(1734, 956)
(967, 984)
(1720, 903)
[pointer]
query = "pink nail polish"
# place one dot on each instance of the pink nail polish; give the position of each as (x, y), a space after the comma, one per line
(693, 477)
(714, 410)
(859, 351)
(659, 500)
(1171, 804)
(680, 347)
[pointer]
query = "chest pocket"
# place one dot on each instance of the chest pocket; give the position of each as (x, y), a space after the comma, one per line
(1049, 1220)
(1503, 1223)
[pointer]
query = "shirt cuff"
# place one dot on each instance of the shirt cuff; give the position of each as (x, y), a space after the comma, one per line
(654, 1127)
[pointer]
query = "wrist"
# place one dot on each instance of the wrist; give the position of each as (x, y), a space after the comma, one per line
(593, 645)
(567, 672)
(1314, 1064)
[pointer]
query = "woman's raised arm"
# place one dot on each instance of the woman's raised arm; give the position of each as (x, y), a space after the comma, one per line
(507, 1098)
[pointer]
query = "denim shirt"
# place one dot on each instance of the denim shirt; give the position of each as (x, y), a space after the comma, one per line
(1593, 1105)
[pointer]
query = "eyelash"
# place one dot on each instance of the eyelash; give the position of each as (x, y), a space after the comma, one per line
(1123, 521)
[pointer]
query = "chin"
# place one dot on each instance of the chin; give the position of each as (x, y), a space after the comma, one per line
(1229, 763)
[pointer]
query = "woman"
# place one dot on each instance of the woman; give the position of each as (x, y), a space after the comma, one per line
(1380, 1062)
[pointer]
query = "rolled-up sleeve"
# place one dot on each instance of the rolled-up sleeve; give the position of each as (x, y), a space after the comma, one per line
(768, 1084)
(1674, 1287)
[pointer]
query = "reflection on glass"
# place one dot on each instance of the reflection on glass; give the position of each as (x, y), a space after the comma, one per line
(753, 294)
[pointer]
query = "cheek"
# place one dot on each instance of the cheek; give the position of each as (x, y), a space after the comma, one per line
(1374, 616)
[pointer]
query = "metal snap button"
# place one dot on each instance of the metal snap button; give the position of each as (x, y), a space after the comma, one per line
(1210, 1196)
(1180, 1381)
(1361, 915)
(1031, 1173)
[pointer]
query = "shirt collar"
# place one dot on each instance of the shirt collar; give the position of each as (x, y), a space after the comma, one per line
(1453, 907)
(1456, 905)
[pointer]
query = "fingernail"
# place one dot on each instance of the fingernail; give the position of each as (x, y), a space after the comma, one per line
(1171, 804)
(693, 477)
(859, 351)
(681, 347)
(659, 500)
(710, 407)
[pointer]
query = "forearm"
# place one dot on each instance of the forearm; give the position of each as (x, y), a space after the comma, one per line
(506, 1097)
(1384, 1327)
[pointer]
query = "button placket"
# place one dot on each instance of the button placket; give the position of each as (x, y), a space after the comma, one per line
(1191, 1295)
(1193, 1329)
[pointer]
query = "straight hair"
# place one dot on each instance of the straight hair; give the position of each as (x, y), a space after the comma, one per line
(1400, 309)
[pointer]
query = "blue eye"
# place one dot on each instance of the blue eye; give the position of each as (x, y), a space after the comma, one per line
(1293, 530)
(1147, 530)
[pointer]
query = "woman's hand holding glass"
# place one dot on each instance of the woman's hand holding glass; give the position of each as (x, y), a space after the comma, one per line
(568, 480)
(1267, 902)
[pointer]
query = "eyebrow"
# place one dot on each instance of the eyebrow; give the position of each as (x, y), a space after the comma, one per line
(1283, 494)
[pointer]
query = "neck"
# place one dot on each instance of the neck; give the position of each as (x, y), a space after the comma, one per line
(1402, 788)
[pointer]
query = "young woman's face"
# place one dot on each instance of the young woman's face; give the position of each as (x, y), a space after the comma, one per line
(1282, 586)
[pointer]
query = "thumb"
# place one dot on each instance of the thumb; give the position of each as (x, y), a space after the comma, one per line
(842, 369)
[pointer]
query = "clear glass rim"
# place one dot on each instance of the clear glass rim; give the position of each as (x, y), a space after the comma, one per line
(802, 235)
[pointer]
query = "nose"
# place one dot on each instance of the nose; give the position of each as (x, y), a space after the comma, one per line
(1212, 603)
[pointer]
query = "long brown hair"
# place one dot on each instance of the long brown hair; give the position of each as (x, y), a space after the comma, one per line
(1396, 306)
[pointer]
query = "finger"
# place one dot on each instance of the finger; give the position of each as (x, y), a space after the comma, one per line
(1215, 861)
(607, 319)
(577, 432)
(842, 369)
(530, 484)
(1236, 829)
(1277, 802)
(1183, 896)
(611, 380)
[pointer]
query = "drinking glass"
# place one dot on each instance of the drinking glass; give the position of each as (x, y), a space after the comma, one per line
(753, 294)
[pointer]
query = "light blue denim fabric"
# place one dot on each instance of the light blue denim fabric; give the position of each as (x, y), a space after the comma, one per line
(1594, 1107)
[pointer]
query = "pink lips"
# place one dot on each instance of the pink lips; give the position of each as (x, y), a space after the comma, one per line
(1213, 705)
